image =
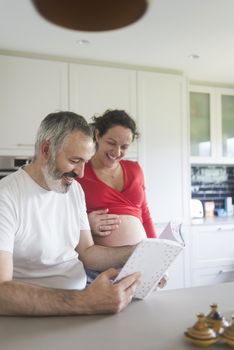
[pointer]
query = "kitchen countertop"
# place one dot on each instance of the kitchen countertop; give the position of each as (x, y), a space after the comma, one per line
(158, 323)
(216, 220)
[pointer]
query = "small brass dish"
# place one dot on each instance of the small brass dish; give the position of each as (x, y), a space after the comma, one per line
(201, 342)
(228, 341)
(228, 335)
(215, 320)
(200, 334)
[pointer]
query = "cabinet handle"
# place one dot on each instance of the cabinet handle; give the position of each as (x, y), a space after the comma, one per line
(25, 145)
(224, 271)
(224, 229)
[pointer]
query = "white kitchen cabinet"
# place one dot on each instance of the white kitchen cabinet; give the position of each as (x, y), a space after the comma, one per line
(29, 89)
(163, 146)
(211, 254)
(94, 89)
(211, 125)
(213, 275)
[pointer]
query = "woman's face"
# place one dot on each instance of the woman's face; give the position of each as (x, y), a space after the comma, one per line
(113, 145)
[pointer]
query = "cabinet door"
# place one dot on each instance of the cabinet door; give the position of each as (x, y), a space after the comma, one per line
(95, 89)
(200, 124)
(212, 254)
(163, 144)
(225, 99)
(29, 89)
(203, 124)
(212, 245)
(212, 125)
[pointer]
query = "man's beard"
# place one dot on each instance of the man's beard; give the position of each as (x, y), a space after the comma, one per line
(54, 177)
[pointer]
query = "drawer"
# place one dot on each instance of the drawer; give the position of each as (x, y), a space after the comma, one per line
(213, 228)
(209, 276)
(212, 247)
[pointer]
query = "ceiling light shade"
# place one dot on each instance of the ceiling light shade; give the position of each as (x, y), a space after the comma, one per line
(91, 15)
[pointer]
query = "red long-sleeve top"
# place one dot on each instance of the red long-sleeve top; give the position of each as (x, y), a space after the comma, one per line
(130, 201)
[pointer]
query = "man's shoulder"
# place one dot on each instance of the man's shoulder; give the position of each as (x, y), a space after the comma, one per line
(10, 180)
(76, 189)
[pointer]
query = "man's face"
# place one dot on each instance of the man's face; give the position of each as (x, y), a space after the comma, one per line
(68, 163)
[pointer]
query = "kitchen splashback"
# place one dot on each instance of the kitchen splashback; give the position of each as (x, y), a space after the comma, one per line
(212, 183)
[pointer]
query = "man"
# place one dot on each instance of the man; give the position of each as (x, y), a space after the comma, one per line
(44, 233)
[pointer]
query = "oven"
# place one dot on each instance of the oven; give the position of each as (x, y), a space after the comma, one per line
(9, 164)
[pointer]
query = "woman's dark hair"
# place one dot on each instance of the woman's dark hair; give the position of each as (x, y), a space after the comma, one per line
(113, 118)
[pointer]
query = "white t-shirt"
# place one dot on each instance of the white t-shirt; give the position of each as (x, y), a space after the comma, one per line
(42, 229)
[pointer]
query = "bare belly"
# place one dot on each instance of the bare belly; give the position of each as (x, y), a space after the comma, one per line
(129, 232)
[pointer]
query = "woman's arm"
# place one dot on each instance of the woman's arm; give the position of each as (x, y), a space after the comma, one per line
(145, 213)
(147, 221)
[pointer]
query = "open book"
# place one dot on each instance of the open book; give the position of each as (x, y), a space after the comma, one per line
(152, 257)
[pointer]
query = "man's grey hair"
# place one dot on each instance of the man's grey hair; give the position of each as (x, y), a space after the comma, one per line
(55, 128)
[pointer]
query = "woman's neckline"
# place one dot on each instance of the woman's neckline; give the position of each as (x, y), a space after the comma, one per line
(107, 177)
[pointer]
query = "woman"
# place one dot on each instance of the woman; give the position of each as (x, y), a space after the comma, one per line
(114, 188)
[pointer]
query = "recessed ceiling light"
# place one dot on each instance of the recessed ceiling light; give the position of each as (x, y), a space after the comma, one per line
(83, 42)
(194, 56)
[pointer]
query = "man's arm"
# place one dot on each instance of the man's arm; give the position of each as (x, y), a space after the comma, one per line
(17, 298)
(100, 258)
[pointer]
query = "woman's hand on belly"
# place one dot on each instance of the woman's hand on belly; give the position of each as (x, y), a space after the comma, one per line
(102, 223)
(130, 231)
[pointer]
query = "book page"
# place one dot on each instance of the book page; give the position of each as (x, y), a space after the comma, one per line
(152, 257)
(172, 232)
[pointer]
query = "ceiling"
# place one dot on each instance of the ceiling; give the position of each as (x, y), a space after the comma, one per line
(164, 38)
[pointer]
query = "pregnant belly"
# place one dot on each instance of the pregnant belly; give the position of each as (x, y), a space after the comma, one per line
(129, 232)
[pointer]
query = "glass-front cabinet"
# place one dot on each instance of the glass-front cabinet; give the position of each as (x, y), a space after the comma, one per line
(227, 111)
(200, 124)
(211, 124)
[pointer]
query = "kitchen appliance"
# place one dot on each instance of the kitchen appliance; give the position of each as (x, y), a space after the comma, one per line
(209, 209)
(228, 206)
(10, 164)
(196, 208)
